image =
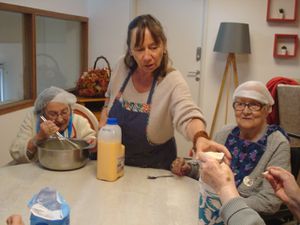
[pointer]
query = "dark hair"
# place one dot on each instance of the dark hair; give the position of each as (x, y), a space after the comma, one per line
(142, 23)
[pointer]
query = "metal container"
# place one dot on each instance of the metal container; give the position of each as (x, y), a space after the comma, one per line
(55, 154)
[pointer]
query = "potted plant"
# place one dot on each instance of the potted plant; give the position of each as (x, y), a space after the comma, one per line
(284, 50)
(281, 13)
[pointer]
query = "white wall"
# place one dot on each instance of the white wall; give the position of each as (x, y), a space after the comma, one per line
(259, 65)
(108, 21)
(10, 124)
(107, 29)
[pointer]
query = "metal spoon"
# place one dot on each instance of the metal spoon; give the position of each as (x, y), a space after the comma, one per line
(155, 177)
(61, 137)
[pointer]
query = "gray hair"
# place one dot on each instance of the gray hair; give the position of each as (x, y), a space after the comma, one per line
(53, 94)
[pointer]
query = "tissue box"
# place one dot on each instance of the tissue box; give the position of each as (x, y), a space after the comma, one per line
(49, 208)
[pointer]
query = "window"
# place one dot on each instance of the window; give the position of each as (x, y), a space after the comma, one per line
(11, 57)
(57, 52)
(1, 84)
(38, 49)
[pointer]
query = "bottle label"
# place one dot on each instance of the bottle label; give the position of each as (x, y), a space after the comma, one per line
(107, 129)
(120, 164)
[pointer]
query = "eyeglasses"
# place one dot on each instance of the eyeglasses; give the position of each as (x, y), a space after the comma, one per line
(253, 106)
(52, 115)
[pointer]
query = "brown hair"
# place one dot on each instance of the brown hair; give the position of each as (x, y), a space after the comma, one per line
(142, 23)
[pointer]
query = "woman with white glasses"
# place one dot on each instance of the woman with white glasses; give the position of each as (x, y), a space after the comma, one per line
(55, 104)
(254, 146)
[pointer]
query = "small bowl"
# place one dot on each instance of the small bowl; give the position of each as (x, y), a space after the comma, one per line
(55, 154)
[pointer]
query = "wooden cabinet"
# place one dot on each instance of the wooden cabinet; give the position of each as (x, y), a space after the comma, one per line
(285, 45)
(93, 104)
(282, 10)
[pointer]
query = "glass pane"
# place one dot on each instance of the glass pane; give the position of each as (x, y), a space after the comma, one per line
(58, 53)
(11, 57)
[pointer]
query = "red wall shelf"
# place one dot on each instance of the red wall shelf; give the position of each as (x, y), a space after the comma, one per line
(288, 41)
(282, 10)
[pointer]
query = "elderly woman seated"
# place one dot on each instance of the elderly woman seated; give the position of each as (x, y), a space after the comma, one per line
(254, 146)
(55, 104)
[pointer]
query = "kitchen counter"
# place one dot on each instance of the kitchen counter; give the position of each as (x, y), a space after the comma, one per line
(131, 200)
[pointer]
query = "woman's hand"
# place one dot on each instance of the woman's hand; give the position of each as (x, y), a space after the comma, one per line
(180, 167)
(285, 187)
(219, 176)
(205, 145)
(91, 141)
(103, 117)
(202, 143)
(14, 220)
(47, 129)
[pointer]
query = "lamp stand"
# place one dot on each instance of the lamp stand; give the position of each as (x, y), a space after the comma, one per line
(230, 61)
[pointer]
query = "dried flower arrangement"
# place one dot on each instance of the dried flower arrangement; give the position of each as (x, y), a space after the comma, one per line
(94, 82)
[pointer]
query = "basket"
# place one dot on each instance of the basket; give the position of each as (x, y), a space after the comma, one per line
(94, 83)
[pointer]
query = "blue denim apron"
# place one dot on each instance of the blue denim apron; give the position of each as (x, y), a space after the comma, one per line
(138, 150)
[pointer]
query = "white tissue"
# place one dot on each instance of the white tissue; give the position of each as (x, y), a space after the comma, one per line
(42, 212)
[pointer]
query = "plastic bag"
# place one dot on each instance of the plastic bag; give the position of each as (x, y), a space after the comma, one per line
(49, 207)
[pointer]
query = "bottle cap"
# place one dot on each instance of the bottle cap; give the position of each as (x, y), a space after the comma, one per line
(112, 121)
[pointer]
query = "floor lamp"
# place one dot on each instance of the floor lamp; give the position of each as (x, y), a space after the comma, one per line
(232, 38)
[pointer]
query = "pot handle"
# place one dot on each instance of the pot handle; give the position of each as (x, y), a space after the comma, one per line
(90, 146)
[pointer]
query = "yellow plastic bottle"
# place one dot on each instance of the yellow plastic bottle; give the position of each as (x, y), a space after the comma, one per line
(111, 152)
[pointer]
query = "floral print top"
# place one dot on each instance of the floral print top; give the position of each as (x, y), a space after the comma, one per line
(246, 154)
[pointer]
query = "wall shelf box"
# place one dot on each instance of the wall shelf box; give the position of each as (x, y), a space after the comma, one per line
(282, 10)
(285, 45)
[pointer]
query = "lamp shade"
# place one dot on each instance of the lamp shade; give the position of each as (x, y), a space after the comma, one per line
(233, 38)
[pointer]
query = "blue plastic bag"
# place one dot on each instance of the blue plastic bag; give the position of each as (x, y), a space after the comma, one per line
(48, 207)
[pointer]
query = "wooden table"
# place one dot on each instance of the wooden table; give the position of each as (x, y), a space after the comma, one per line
(131, 200)
(83, 100)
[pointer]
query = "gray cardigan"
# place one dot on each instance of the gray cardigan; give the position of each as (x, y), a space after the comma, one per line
(236, 210)
(260, 196)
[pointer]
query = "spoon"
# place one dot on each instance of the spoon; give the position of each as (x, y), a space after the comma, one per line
(155, 177)
(61, 137)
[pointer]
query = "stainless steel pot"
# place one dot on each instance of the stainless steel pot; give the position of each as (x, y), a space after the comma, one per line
(57, 154)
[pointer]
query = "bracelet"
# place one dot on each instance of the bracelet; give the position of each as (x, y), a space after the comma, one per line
(198, 134)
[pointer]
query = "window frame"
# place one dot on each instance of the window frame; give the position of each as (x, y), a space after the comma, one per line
(1, 82)
(29, 53)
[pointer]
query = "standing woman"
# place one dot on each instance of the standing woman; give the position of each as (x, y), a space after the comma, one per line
(151, 99)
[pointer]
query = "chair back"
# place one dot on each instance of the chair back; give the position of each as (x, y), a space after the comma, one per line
(289, 119)
(86, 113)
(289, 111)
